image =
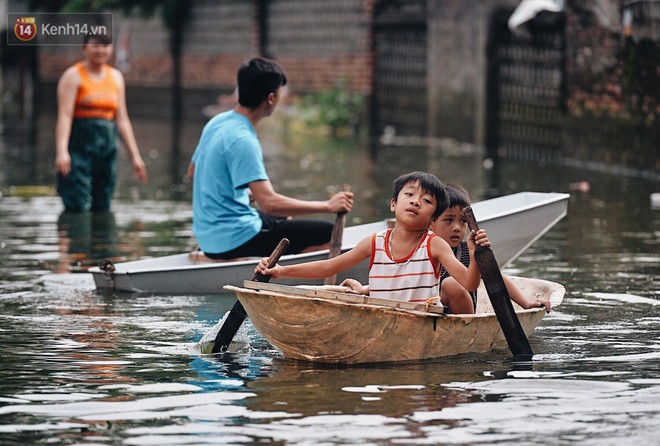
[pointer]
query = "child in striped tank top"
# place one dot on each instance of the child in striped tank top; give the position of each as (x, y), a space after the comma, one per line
(405, 261)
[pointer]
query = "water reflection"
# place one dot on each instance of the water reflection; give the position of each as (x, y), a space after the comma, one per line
(391, 390)
(113, 368)
(85, 238)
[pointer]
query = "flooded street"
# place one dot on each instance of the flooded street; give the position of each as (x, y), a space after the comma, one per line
(81, 366)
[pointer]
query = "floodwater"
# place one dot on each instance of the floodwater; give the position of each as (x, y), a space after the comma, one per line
(84, 367)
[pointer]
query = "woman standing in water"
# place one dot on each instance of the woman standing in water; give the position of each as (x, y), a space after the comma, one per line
(91, 110)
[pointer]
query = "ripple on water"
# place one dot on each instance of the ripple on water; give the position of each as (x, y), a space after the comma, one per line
(146, 408)
(625, 298)
(67, 282)
(525, 409)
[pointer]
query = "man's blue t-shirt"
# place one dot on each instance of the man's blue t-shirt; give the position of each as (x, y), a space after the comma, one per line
(228, 157)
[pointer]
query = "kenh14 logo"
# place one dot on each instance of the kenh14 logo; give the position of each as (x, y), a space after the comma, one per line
(25, 28)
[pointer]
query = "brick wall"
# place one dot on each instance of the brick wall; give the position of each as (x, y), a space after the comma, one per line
(318, 42)
(219, 37)
(613, 103)
(322, 41)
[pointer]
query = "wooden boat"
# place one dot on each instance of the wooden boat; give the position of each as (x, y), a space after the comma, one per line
(513, 223)
(318, 324)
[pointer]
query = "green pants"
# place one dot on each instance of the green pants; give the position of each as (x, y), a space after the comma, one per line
(90, 184)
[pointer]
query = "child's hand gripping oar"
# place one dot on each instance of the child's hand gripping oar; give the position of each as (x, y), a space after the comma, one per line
(499, 296)
(237, 315)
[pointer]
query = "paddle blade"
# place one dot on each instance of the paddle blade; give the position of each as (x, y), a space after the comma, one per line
(499, 296)
(231, 324)
(237, 314)
(208, 340)
(501, 302)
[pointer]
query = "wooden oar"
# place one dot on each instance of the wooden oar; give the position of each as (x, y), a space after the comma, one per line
(237, 313)
(336, 239)
(499, 296)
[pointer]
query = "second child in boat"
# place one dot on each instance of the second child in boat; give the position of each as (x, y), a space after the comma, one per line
(452, 227)
(406, 260)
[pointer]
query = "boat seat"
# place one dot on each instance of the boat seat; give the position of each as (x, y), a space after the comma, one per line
(199, 257)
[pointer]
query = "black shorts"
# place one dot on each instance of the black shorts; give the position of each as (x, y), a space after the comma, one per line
(301, 234)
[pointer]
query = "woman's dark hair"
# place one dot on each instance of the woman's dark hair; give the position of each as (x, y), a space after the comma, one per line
(102, 39)
(429, 183)
(256, 79)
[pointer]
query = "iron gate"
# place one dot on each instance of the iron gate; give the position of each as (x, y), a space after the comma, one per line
(525, 88)
(400, 100)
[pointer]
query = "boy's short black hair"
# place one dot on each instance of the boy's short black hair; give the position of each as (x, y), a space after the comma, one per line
(429, 183)
(256, 79)
(457, 196)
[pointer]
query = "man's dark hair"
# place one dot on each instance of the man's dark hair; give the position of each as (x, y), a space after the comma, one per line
(429, 183)
(256, 79)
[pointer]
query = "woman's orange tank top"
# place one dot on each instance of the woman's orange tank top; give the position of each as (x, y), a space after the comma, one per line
(96, 98)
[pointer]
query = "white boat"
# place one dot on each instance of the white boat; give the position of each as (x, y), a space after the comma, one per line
(513, 223)
(323, 324)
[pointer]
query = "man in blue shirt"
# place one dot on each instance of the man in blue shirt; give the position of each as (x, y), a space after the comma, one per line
(228, 166)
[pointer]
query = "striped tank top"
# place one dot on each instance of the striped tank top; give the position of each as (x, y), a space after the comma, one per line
(96, 98)
(412, 279)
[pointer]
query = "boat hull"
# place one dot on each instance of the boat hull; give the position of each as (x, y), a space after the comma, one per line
(326, 330)
(531, 214)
